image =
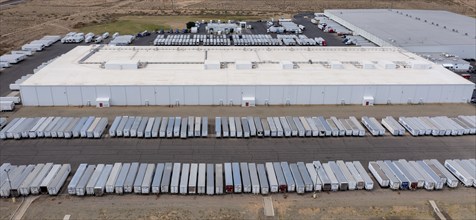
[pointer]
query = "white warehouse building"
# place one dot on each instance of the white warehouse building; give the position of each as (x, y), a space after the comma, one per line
(147, 75)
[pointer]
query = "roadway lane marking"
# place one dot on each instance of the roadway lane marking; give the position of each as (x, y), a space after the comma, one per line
(437, 210)
(268, 206)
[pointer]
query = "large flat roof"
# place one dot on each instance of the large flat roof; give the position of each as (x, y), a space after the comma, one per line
(185, 66)
(415, 29)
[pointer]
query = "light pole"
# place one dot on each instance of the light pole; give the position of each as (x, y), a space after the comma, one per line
(7, 170)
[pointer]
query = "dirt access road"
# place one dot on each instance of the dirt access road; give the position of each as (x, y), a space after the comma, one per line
(457, 203)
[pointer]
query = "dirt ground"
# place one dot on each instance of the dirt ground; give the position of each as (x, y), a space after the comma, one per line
(378, 111)
(32, 19)
(457, 203)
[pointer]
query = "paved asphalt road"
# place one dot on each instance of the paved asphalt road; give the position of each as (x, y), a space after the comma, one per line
(211, 150)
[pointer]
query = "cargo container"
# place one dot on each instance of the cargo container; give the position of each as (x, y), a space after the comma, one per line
(263, 179)
(75, 180)
(35, 185)
(459, 173)
(114, 125)
(326, 183)
(259, 127)
(369, 183)
(163, 127)
(121, 179)
(409, 126)
(356, 126)
(142, 126)
(111, 180)
(306, 127)
(300, 187)
(272, 127)
(404, 182)
(135, 126)
(204, 126)
(122, 125)
(312, 125)
(151, 128)
(90, 131)
(288, 176)
(239, 127)
(166, 178)
(192, 179)
(210, 179)
(413, 182)
(100, 185)
(229, 187)
(287, 132)
(94, 179)
(438, 181)
(48, 178)
(255, 186)
(266, 128)
(175, 180)
(14, 173)
(78, 127)
(468, 170)
(292, 126)
(360, 184)
(147, 180)
(394, 183)
(436, 174)
(170, 127)
(224, 127)
(451, 181)
(342, 129)
(349, 131)
(81, 186)
(252, 126)
(279, 127)
(83, 130)
(308, 182)
(245, 177)
(17, 180)
(140, 178)
(3, 132)
(469, 167)
(51, 125)
(218, 127)
(184, 131)
(379, 175)
(418, 177)
(370, 125)
(201, 183)
(198, 126)
(100, 127)
(24, 188)
(317, 185)
(157, 181)
(341, 178)
(55, 186)
(190, 126)
(131, 176)
(237, 184)
(218, 179)
(246, 127)
(282, 185)
(32, 131)
(155, 127)
(273, 182)
(68, 132)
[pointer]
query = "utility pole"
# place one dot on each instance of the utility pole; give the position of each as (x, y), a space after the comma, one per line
(9, 182)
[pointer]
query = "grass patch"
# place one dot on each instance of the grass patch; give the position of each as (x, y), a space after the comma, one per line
(135, 24)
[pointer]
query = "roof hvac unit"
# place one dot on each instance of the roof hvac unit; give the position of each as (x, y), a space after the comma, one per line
(286, 65)
(212, 65)
(367, 65)
(243, 65)
(336, 65)
(387, 64)
(121, 65)
(420, 65)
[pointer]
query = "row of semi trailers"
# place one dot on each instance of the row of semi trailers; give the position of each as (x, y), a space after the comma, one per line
(214, 179)
(239, 127)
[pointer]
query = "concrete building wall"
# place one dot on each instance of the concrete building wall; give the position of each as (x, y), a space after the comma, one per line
(232, 95)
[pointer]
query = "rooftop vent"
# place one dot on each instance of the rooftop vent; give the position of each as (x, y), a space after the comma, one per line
(387, 64)
(121, 65)
(286, 65)
(336, 65)
(212, 65)
(243, 65)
